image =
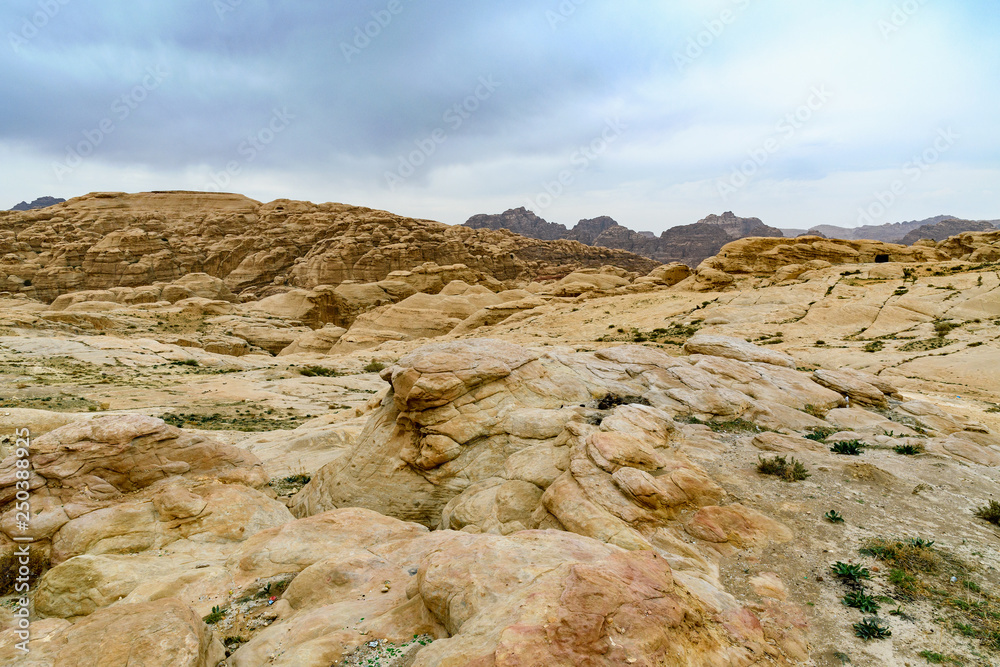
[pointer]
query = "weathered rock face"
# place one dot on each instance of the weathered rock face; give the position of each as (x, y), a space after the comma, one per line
(106, 240)
(688, 244)
(538, 597)
(467, 420)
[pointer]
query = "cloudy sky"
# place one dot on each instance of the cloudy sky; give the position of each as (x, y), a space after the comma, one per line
(800, 112)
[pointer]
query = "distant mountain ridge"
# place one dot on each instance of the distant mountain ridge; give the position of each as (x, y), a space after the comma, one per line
(689, 244)
(893, 232)
(41, 202)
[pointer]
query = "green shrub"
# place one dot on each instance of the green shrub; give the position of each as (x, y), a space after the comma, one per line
(374, 366)
(833, 517)
(849, 447)
(861, 600)
(871, 628)
(850, 571)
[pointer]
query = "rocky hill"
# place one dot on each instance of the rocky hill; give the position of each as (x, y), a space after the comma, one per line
(939, 231)
(689, 244)
(110, 240)
(41, 202)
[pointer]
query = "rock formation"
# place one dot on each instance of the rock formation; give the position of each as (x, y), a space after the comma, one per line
(107, 240)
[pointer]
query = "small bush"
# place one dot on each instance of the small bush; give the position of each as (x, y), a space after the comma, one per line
(861, 600)
(318, 371)
(874, 346)
(218, 613)
(909, 450)
(185, 362)
(790, 471)
(942, 329)
(614, 400)
(872, 628)
(820, 433)
(848, 447)
(374, 366)
(990, 513)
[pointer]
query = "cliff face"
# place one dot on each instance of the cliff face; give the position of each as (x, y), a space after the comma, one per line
(689, 244)
(105, 240)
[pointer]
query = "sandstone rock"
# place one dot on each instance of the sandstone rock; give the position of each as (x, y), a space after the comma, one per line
(849, 384)
(163, 633)
(736, 348)
(316, 342)
(105, 457)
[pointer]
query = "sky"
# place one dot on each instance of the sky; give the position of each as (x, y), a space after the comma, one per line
(799, 112)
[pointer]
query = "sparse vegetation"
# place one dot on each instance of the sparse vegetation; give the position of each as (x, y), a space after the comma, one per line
(874, 346)
(909, 450)
(778, 466)
(833, 517)
(374, 366)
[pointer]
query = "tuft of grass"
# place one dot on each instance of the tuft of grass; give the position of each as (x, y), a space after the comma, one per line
(871, 628)
(938, 659)
(908, 450)
(833, 517)
(778, 466)
(861, 600)
(850, 572)
(849, 447)
(914, 555)
(374, 366)
(990, 512)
